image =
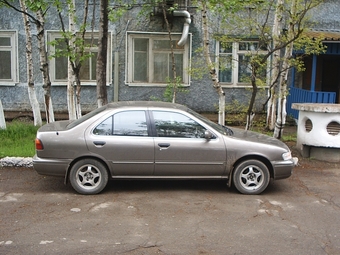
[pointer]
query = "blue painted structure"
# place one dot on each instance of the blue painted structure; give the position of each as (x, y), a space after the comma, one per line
(298, 95)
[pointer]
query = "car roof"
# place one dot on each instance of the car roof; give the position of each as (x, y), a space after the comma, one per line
(157, 104)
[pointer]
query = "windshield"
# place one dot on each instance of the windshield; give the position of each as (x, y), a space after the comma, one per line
(221, 129)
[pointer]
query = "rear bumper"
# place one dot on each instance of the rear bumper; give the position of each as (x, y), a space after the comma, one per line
(51, 167)
(283, 169)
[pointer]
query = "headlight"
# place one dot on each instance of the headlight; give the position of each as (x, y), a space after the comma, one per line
(287, 155)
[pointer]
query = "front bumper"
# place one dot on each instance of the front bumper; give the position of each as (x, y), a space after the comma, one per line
(283, 169)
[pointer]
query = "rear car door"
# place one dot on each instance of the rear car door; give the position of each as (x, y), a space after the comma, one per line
(181, 148)
(123, 140)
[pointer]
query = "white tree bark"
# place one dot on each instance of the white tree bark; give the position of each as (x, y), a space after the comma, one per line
(71, 101)
(282, 101)
(30, 82)
(276, 34)
(2, 117)
(213, 72)
(71, 105)
(44, 66)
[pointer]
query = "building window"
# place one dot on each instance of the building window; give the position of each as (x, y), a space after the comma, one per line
(59, 65)
(149, 59)
(8, 56)
(234, 68)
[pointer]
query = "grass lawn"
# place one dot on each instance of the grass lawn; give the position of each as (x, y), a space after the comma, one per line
(17, 140)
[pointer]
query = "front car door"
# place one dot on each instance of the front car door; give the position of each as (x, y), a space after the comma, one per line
(123, 140)
(181, 148)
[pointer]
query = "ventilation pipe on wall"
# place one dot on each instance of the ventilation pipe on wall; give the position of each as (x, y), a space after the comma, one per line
(185, 33)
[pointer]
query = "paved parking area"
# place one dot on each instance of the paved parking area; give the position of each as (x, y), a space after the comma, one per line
(299, 215)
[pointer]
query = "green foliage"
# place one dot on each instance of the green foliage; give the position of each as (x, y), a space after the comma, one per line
(119, 9)
(61, 49)
(36, 5)
(235, 107)
(198, 66)
(173, 86)
(17, 140)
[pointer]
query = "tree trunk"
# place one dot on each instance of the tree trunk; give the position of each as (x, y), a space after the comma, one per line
(44, 66)
(71, 105)
(31, 90)
(282, 102)
(78, 90)
(213, 73)
(174, 80)
(102, 54)
(250, 112)
(2, 117)
(276, 34)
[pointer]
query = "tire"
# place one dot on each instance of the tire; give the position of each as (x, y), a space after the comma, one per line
(251, 177)
(88, 176)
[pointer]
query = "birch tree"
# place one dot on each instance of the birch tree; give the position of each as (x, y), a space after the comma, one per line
(39, 7)
(297, 13)
(276, 33)
(44, 66)
(75, 51)
(211, 65)
(174, 81)
(29, 59)
(263, 22)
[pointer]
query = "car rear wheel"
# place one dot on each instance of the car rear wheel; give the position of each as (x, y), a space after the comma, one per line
(88, 176)
(251, 177)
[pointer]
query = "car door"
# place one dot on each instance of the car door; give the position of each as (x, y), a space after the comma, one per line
(123, 140)
(181, 148)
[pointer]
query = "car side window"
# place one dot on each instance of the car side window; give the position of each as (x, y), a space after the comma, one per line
(104, 128)
(126, 123)
(172, 124)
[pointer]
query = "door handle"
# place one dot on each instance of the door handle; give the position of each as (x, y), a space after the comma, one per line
(99, 143)
(163, 146)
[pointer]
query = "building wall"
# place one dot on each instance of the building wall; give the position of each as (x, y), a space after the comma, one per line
(201, 95)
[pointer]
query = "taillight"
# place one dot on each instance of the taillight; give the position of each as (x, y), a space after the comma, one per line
(38, 144)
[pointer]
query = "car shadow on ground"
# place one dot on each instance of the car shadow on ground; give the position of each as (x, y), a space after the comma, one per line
(36, 183)
(56, 185)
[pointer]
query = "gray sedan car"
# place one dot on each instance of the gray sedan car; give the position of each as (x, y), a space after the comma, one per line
(157, 140)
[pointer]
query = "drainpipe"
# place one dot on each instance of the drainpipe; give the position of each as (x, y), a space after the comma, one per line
(185, 32)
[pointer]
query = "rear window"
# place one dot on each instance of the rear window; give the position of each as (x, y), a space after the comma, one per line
(86, 117)
(125, 123)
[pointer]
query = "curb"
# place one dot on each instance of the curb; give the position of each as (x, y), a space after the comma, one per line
(16, 162)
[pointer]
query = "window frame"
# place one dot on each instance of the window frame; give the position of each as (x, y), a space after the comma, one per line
(175, 127)
(235, 56)
(152, 36)
(13, 49)
(53, 35)
(112, 118)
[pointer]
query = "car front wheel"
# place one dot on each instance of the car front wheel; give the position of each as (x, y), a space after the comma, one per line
(251, 177)
(88, 176)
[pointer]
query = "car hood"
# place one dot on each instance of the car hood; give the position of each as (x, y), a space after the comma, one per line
(55, 126)
(257, 137)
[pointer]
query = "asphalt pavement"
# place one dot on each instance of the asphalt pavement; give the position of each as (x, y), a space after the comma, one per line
(41, 215)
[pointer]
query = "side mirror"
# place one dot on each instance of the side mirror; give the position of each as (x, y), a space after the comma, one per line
(208, 135)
